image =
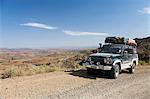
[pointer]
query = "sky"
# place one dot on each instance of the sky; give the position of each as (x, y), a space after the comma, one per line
(70, 23)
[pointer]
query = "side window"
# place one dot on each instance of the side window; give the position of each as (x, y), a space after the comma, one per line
(129, 51)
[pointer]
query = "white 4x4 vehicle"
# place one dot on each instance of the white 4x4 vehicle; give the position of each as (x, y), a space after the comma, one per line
(113, 58)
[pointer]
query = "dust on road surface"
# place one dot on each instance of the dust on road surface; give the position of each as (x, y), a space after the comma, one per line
(78, 85)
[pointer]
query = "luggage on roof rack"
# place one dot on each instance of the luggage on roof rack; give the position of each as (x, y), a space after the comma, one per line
(110, 40)
(115, 40)
(131, 42)
(120, 40)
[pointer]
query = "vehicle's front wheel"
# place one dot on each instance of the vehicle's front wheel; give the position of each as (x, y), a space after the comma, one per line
(115, 71)
(132, 69)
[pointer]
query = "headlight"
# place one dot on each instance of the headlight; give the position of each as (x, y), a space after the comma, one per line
(98, 63)
(108, 60)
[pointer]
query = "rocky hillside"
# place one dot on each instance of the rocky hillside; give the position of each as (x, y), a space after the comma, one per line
(143, 47)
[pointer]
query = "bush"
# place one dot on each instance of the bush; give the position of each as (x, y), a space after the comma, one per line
(11, 72)
(27, 70)
(142, 62)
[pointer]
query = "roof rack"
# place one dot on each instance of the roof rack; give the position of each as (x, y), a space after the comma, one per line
(120, 40)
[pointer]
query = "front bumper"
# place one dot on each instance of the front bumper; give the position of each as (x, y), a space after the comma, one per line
(101, 67)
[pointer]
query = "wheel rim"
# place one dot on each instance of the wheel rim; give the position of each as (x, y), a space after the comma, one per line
(133, 67)
(117, 71)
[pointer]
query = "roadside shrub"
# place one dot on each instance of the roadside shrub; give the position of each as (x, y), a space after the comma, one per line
(11, 72)
(141, 62)
(27, 70)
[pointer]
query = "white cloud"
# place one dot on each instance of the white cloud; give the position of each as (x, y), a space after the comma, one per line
(77, 33)
(38, 25)
(145, 10)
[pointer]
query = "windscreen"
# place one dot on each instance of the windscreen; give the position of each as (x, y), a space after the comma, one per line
(111, 49)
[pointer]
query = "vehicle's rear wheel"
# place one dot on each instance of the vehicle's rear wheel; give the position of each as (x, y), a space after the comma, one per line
(132, 69)
(115, 71)
(90, 71)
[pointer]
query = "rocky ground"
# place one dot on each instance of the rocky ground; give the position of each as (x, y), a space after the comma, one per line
(78, 85)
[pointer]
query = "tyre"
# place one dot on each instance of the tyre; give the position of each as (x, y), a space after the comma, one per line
(115, 71)
(132, 69)
(90, 71)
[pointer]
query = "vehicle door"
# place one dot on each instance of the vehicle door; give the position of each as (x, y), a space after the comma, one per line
(127, 58)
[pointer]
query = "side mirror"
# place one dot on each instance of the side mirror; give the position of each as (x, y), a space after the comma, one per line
(100, 45)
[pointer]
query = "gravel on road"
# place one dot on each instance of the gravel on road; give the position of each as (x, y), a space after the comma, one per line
(78, 85)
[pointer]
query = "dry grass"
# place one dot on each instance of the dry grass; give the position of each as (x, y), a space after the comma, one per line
(32, 70)
(27, 70)
(39, 63)
(143, 63)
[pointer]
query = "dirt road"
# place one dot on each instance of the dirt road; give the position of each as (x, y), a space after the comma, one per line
(78, 85)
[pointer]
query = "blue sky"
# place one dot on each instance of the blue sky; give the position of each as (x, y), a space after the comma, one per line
(70, 23)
